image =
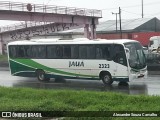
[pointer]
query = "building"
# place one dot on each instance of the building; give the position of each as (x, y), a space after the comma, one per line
(140, 29)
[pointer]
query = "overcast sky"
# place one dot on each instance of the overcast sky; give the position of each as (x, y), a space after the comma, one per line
(130, 8)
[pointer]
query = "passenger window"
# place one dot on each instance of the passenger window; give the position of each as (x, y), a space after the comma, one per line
(74, 52)
(103, 52)
(51, 51)
(90, 51)
(119, 55)
(21, 52)
(67, 51)
(82, 52)
(38, 52)
(59, 52)
(27, 51)
(12, 51)
(99, 52)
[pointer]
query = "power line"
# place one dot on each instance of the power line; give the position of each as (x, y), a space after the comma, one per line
(120, 26)
(116, 18)
(142, 9)
(130, 12)
(48, 2)
(138, 5)
(158, 13)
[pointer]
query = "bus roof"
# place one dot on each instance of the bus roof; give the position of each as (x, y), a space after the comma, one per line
(73, 41)
(154, 38)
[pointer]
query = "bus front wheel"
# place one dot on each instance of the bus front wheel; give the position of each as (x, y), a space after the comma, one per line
(107, 79)
(41, 76)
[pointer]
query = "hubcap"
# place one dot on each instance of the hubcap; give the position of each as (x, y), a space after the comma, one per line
(41, 76)
(106, 78)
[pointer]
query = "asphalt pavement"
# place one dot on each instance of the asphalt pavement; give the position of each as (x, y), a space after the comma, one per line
(148, 86)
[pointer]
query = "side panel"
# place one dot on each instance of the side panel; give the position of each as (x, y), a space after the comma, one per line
(121, 73)
(68, 68)
(19, 67)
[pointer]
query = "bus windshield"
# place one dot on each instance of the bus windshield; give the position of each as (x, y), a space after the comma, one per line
(137, 58)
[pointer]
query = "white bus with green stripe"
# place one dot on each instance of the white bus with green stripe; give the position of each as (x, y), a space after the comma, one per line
(108, 60)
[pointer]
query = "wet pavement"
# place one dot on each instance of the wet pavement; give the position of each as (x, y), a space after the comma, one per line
(148, 86)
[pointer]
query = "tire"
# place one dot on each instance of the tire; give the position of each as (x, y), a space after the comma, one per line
(41, 76)
(107, 79)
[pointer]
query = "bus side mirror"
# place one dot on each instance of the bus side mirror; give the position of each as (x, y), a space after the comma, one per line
(127, 53)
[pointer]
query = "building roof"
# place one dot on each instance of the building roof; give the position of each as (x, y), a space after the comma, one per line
(128, 24)
(140, 24)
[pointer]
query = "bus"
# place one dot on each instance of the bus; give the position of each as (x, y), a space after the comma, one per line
(154, 44)
(120, 60)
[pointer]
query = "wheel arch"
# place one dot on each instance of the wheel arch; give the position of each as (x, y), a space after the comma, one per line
(104, 72)
(38, 69)
(39, 72)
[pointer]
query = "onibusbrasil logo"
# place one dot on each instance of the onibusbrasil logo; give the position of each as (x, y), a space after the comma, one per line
(21, 114)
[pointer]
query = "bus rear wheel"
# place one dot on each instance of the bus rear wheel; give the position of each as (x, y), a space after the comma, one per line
(41, 76)
(107, 79)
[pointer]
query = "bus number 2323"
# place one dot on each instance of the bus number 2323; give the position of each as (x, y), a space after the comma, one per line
(103, 65)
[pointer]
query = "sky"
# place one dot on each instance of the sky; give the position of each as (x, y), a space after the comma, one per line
(130, 9)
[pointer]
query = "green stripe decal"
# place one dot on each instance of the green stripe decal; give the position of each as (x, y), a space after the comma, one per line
(30, 65)
(17, 67)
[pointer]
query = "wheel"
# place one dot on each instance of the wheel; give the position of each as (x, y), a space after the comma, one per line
(41, 76)
(107, 79)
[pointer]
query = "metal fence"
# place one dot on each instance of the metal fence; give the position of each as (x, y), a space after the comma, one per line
(40, 8)
(22, 25)
(17, 6)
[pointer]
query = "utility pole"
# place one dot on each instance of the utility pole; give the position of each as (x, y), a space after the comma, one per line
(116, 19)
(120, 23)
(142, 9)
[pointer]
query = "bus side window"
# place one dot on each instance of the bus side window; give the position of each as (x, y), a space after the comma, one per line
(67, 51)
(106, 52)
(51, 51)
(74, 51)
(41, 52)
(33, 49)
(21, 52)
(82, 52)
(90, 51)
(38, 52)
(99, 52)
(59, 52)
(151, 43)
(103, 52)
(119, 55)
(12, 51)
(27, 51)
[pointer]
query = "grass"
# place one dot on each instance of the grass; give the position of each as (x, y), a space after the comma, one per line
(52, 100)
(27, 99)
(3, 58)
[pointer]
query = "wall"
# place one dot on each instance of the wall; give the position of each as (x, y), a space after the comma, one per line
(36, 32)
(142, 37)
(112, 36)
